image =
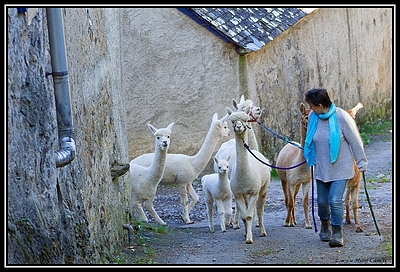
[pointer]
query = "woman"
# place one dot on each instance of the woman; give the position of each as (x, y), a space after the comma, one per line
(332, 140)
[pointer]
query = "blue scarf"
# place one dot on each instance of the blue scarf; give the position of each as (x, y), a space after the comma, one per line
(334, 138)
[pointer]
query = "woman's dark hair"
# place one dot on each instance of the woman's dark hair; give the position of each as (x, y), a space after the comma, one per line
(318, 96)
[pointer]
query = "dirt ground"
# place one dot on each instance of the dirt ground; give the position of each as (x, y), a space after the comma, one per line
(194, 245)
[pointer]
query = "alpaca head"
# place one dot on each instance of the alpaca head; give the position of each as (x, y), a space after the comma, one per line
(354, 110)
(222, 165)
(221, 125)
(304, 115)
(255, 112)
(239, 119)
(162, 135)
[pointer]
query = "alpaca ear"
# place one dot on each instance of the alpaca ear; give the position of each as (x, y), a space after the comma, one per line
(215, 117)
(216, 160)
(228, 158)
(228, 110)
(241, 99)
(223, 119)
(152, 129)
(302, 108)
(234, 103)
(171, 125)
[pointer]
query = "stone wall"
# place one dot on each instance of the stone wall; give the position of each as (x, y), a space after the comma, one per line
(72, 214)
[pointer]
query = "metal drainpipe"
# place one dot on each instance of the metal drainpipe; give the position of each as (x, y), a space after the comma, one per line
(61, 88)
(130, 231)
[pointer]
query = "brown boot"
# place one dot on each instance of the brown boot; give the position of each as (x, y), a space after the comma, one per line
(337, 237)
(325, 233)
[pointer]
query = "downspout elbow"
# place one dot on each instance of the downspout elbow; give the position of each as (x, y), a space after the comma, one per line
(130, 231)
(67, 152)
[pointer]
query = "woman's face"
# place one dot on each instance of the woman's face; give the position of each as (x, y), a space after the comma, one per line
(317, 108)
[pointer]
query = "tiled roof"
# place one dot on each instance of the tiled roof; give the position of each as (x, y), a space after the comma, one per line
(248, 28)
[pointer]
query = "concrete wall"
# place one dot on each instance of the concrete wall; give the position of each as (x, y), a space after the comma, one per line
(174, 70)
(347, 51)
(132, 66)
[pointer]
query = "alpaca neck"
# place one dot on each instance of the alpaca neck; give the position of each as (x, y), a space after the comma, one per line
(303, 132)
(223, 181)
(252, 141)
(242, 159)
(157, 165)
(203, 156)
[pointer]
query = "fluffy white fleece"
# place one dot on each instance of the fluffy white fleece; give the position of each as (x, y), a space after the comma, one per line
(183, 169)
(144, 179)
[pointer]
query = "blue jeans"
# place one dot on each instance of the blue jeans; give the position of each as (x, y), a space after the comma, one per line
(330, 200)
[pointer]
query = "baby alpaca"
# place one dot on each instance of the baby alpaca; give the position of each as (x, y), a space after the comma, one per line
(144, 180)
(217, 192)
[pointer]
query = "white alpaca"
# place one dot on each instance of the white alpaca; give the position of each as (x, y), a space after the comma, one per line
(255, 113)
(249, 178)
(227, 149)
(144, 179)
(182, 169)
(217, 192)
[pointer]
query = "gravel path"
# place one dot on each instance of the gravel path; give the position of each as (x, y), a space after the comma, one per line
(193, 244)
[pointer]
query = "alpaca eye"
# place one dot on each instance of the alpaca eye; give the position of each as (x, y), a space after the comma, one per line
(158, 137)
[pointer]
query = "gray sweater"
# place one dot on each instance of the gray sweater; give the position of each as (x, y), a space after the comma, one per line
(350, 145)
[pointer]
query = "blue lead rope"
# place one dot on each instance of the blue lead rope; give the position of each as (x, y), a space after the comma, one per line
(270, 165)
(279, 136)
(312, 198)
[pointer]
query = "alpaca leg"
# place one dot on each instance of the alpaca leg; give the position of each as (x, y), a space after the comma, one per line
(260, 213)
(138, 212)
(296, 191)
(290, 208)
(355, 206)
(257, 222)
(149, 205)
(284, 184)
(241, 211)
(193, 195)
(306, 189)
(221, 214)
(185, 204)
(347, 202)
(286, 194)
(255, 217)
(210, 211)
(248, 218)
(228, 211)
(236, 217)
(235, 222)
(249, 233)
